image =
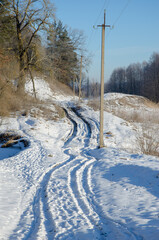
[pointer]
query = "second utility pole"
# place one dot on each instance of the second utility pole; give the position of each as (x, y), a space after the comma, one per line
(80, 93)
(102, 82)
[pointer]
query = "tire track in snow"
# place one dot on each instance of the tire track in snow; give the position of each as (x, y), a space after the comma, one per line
(86, 210)
(87, 127)
(42, 217)
(81, 174)
(82, 130)
(72, 158)
(75, 183)
(41, 210)
(39, 207)
(27, 164)
(31, 216)
(90, 194)
(78, 182)
(76, 196)
(104, 223)
(79, 186)
(73, 132)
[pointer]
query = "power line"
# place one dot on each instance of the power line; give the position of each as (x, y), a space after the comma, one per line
(106, 3)
(122, 11)
(119, 16)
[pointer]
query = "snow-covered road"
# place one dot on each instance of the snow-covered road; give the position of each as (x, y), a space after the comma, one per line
(55, 201)
(64, 205)
(63, 187)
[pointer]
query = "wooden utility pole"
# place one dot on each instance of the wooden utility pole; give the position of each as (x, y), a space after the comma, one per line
(102, 82)
(80, 78)
(74, 80)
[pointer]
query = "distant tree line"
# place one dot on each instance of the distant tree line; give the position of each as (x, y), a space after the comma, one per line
(139, 79)
(32, 41)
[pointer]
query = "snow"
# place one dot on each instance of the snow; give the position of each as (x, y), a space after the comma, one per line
(62, 186)
(43, 91)
(114, 96)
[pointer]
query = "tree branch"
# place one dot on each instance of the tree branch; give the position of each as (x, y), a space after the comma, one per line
(29, 19)
(25, 12)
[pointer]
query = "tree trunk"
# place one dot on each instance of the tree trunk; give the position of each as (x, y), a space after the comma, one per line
(32, 79)
(21, 80)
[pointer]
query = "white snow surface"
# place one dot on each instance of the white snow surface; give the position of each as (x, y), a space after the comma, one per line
(43, 91)
(62, 186)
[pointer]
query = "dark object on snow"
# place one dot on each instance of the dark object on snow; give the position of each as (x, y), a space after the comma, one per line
(12, 140)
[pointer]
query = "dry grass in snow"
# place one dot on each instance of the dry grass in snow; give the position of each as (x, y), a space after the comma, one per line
(140, 112)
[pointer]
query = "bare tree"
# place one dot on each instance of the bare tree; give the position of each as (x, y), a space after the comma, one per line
(31, 17)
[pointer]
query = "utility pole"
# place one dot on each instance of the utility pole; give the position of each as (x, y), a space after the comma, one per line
(74, 80)
(80, 78)
(102, 82)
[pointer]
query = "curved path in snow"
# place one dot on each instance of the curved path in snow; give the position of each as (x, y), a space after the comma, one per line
(64, 206)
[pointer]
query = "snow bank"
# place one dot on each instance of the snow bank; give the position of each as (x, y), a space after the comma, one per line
(113, 96)
(43, 91)
(118, 133)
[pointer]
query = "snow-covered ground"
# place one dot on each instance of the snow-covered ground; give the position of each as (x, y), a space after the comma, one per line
(62, 186)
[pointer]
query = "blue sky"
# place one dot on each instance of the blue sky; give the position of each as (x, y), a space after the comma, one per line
(133, 39)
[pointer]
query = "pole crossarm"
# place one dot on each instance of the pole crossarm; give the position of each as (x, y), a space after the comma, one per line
(103, 25)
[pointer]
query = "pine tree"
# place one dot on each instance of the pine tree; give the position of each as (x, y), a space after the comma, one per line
(62, 53)
(7, 26)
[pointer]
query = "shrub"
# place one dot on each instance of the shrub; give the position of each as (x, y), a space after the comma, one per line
(148, 141)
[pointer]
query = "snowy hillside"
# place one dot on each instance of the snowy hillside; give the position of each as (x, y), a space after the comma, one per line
(62, 186)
